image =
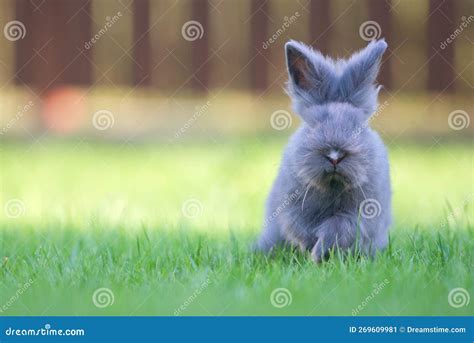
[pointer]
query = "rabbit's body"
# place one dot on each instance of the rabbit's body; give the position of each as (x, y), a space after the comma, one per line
(333, 186)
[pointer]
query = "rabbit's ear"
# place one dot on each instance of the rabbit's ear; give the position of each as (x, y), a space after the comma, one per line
(357, 83)
(310, 74)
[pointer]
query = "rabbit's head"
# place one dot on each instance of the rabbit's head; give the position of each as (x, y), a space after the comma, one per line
(335, 99)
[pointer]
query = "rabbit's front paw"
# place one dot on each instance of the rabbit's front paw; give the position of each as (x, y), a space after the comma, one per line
(334, 233)
(321, 249)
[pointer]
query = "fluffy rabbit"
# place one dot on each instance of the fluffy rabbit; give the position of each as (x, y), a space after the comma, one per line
(333, 186)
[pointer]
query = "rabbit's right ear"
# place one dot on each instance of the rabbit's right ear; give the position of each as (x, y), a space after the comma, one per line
(311, 75)
(357, 84)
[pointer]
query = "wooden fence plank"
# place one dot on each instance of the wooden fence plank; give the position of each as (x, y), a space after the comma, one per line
(319, 25)
(380, 12)
(259, 10)
(141, 43)
(52, 52)
(201, 57)
(440, 27)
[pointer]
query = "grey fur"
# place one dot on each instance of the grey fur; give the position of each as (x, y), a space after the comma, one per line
(314, 204)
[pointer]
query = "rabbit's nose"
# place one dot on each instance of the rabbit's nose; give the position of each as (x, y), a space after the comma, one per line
(335, 157)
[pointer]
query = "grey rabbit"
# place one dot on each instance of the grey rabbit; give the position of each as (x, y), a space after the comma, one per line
(333, 186)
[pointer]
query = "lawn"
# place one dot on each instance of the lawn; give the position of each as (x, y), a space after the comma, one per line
(168, 229)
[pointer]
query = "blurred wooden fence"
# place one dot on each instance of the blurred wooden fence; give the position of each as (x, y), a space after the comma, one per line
(71, 23)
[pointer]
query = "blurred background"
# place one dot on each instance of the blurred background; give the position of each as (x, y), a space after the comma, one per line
(126, 125)
(136, 100)
(168, 70)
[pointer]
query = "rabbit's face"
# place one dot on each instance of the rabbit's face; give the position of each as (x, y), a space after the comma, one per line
(334, 150)
(335, 100)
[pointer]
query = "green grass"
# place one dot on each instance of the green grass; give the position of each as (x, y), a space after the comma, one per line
(99, 215)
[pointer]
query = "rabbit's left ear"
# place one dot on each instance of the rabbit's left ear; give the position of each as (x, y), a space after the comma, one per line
(311, 75)
(357, 84)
